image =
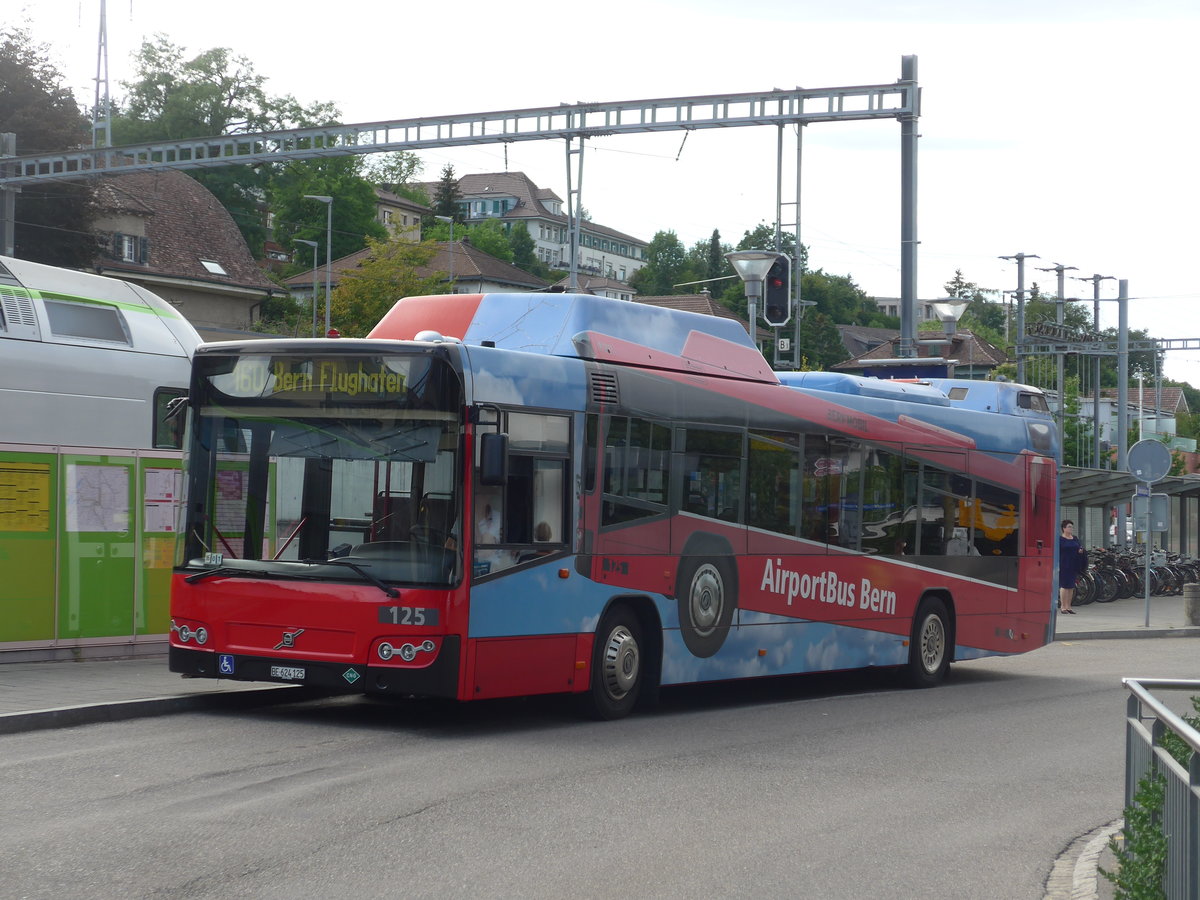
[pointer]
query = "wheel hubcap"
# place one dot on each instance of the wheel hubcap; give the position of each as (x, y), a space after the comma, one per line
(933, 643)
(706, 599)
(621, 662)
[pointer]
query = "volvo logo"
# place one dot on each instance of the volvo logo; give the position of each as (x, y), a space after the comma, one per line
(289, 639)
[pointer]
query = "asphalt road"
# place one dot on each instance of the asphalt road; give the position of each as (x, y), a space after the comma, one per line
(804, 787)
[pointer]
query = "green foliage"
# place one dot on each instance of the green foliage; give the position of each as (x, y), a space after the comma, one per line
(490, 237)
(354, 205)
(390, 271)
(394, 172)
(762, 237)
(53, 223)
(213, 93)
(446, 198)
(1142, 856)
(1077, 432)
(524, 256)
(820, 341)
(666, 266)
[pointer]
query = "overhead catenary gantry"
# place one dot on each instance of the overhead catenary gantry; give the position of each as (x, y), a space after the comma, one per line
(571, 122)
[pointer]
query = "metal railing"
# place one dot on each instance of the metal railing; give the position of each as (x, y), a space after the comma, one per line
(1147, 720)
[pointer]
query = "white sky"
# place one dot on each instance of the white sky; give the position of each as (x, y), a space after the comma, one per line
(1061, 128)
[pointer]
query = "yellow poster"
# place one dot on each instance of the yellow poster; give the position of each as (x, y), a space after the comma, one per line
(24, 496)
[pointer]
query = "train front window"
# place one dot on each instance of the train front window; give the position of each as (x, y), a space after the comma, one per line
(300, 465)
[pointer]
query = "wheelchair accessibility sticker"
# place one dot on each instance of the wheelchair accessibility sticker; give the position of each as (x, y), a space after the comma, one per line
(225, 664)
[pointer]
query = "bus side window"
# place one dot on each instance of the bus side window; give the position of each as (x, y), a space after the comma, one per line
(713, 484)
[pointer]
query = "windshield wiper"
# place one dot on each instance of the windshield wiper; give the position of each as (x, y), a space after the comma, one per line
(365, 573)
(239, 573)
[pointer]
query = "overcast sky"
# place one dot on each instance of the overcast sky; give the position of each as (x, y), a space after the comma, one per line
(1058, 128)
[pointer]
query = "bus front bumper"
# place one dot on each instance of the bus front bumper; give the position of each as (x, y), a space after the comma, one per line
(438, 679)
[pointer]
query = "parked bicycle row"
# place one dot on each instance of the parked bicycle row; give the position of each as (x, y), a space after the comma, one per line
(1114, 574)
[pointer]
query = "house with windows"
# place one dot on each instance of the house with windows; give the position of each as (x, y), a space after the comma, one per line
(399, 215)
(598, 286)
(166, 232)
(890, 306)
(1151, 412)
(513, 197)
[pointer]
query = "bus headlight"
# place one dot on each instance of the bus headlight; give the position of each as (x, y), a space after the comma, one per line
(187, 633)
(385, 651)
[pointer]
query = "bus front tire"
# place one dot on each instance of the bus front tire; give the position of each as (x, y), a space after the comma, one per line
(932, 645)
(707, 596)
(617, 664)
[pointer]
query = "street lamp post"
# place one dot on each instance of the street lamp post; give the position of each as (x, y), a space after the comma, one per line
(450, 219)
(752, 267)
(950, 311)
(312, 244)
(328, 201)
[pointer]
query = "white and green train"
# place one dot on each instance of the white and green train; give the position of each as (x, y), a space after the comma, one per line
(89, 460)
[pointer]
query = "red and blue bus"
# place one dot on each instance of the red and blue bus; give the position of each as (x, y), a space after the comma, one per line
(511, 494)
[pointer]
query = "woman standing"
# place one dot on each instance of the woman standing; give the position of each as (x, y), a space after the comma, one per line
(1070, 563)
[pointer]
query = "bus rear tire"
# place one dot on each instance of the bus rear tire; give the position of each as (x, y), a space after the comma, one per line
(617, 664)
(706, 592)
(932, 645)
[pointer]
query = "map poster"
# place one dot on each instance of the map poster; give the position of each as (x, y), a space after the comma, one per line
(160, 502)
(97, 498)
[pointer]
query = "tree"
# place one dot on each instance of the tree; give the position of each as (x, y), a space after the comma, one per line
(524, 256)
(820, 341)
(446, 198)
(393, 171)
(214, 93)
(489, 237)
(666, 259)
(390, 271)
(958, 287)
(53, 220)
(715, 263)
(354, 203)
(762, 237)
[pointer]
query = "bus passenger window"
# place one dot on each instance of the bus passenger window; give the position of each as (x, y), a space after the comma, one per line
(773, 477)
(713, 483)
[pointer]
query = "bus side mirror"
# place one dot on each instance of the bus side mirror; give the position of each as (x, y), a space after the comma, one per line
(493, 459)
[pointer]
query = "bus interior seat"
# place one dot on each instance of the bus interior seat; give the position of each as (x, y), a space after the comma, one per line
(392, 517)
(436, 512)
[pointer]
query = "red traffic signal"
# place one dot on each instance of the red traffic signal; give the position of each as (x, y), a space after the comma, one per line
(777, 292)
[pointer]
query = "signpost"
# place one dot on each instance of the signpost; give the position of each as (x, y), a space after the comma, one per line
(1149, 461)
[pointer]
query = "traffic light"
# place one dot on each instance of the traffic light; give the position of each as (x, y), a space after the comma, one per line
(777, 292)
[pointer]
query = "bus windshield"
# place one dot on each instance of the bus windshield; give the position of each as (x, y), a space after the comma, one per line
(319, 465)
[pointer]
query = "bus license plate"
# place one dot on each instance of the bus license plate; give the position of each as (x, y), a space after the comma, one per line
(287, 673)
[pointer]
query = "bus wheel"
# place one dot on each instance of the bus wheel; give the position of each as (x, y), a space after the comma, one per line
(707, 596)
(616, 664)
(931, 647)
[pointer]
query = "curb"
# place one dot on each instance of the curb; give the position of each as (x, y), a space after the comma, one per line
(1075, 874)
(1185, 631)
(120, 710)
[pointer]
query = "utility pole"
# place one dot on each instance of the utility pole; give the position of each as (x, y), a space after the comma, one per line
(1060, 371)
(1095, 280)
(1020, 341)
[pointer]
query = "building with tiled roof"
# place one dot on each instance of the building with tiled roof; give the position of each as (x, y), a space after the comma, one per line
(399, 215)
(167, 232)
(702, 303)
(471, 270)
(598, 286)
(1150, 411)
(971, 355)
(513, 197)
